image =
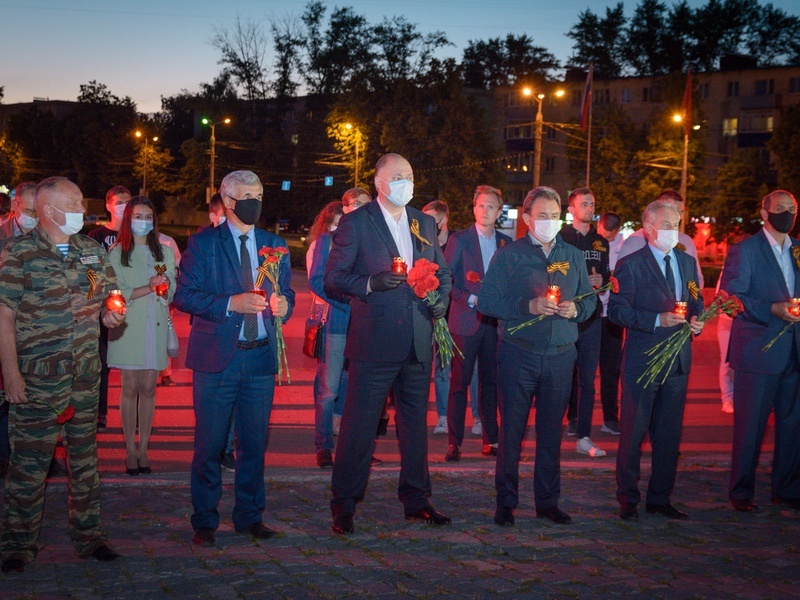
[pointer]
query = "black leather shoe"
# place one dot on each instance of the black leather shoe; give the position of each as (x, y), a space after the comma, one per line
(430, 515)
(343, 524)
(102, 422)
(145, 471)
(105, 554)
(555, 514)
(453, 453)
(489, 450)
(383, 426)
(743, 505)
(204, 536)
(12, 565)
(628, 512)
(258, 531)
(324, 459)
(666, 510)
(504, 516)
(790, 502)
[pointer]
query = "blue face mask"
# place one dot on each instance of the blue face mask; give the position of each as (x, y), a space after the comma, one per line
(141, 228)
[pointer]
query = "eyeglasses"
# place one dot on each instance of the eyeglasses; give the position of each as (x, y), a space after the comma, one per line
(355, 203)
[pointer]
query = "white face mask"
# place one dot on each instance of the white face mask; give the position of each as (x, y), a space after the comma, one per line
(332, 227)
(666, 240)
(27, 222)
(119, 211)
(400, 192)
(73, 222)
(141, 228)
(546, 230)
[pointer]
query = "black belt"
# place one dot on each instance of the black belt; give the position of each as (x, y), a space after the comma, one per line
(252, 345)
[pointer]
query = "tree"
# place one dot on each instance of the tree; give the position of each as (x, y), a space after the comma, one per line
(158, 161)
(741, 182)
(601, 41)
(194, 173)
(12, 161)
(243, 47)
(286, 43)
(785, 144)
(773, 36)
(514, 60)
(647, 43)
(403, 53)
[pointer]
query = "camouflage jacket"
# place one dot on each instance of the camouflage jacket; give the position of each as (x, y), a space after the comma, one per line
(57, 324)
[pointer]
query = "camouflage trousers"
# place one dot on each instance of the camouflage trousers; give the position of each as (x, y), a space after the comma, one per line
(33, 433)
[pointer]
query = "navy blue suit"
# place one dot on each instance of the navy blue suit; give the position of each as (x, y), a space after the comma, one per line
(227, 378)
(657, 408)
(475, 334)
(389, 345)
(763, 381)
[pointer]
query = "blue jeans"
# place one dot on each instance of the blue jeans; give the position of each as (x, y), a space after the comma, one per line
(441, 385)
(244, 388)
(330, 387)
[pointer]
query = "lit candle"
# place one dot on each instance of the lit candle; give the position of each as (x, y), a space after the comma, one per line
(161, 289)
(260, 292)
(554, 293)
(399, 265)
(681, 309)
(115, 301)
(794, 309)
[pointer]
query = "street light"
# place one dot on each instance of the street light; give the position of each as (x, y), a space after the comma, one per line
(350, 126)
(537, 148)
(678, 118)
(213, 143)
(144, 172)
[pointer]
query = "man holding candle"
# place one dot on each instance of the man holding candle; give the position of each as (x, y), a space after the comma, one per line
(651, 281)
(389, 342)
(536, 360)
(53, 284)
(762, 272)
(233, 352)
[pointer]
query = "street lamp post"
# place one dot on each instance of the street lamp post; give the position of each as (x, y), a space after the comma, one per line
(349, 126)
(684, 169)
(213, 144)
(144, 170)
(537, 136)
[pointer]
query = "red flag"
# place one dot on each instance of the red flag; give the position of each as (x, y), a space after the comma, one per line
(586, 107)
(686, 110)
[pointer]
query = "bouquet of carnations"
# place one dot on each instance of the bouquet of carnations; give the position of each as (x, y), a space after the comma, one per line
(422, 279)
(270, 268)
(664, 354)
(612, 286)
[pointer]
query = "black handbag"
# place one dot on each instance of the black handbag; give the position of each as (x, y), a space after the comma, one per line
(314, 335)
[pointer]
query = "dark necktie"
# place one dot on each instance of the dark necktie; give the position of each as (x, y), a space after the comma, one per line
(250, 321)
(670, 276)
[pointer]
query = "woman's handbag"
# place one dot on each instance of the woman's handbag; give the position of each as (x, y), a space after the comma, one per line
(173, 347)
(314, 335)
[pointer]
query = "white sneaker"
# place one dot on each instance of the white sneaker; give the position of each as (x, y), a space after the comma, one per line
(587, 446)
(727, 406)
(337, 421)
(441, 426)
(477, 427)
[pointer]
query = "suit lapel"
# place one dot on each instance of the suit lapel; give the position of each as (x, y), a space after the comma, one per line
(682, 273)
(231, 250)
(769, 256)
(655, 269)
(474, 250)
(379, 223)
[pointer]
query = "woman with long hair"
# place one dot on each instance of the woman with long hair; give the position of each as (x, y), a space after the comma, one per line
(146, 273)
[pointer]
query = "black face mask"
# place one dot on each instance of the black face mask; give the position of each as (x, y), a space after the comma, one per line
(782, 222)
(248, 210)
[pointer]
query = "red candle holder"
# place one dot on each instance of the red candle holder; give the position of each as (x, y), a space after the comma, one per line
(554, 293)
(115, 301)
(161, 289)
(260, 292)
(794, 309)
(681, 309)
(399, 265)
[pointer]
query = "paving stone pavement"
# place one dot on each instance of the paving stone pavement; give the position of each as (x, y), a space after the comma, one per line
(717, 554)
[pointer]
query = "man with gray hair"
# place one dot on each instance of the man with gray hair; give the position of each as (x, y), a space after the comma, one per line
(53, 284)
(651, 281)
(233, 353)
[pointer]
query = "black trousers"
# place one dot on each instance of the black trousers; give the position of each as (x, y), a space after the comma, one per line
(610, 356)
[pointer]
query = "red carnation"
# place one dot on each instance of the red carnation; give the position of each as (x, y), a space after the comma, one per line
(264, 251)
(473, 277)
(614, 284)
(66, 414)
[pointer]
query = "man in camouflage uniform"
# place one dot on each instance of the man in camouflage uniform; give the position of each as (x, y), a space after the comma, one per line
(53, 283)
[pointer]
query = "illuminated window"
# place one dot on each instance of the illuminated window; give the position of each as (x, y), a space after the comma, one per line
(730, 127)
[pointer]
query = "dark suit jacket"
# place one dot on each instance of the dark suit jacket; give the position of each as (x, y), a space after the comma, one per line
(753, 274)
(383, 325)
(210, 274)
(463, 254)
(643, 294)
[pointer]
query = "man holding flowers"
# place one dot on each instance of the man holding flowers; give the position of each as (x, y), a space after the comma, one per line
(235, 282)
(652, 281)
(765, 340)
(536, 354)
(390, 340)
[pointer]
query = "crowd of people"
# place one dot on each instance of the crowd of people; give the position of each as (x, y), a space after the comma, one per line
(531, 321)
